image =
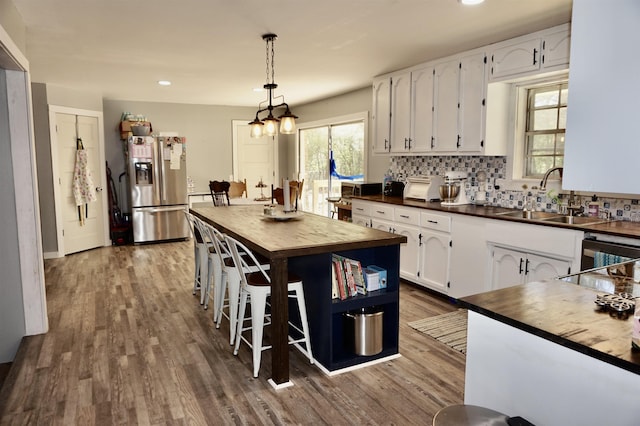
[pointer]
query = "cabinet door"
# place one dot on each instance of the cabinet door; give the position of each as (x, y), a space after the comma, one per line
(382, 225)
(555, 50)
(409, 255)
(361, 220)
(435, 253)
(381, 115)
(519, 57)
(471, 117)
(401, 112)
(422, 110)
(445, 106)
(507, 267)
(540, 268)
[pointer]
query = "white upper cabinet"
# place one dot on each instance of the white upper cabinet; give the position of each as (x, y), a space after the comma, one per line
(460, 88)
(473, 92)
(440, 107)
(422, 109)
(381, 116)
(401, 112)
(540, 52)
(445, 115)
(516, 58)
(556, 47)
(412, 111)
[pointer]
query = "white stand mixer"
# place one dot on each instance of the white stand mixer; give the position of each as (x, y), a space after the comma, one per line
(457, 179)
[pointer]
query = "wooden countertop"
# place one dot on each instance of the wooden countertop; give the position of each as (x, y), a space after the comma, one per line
(311, 234)
(563, 313)
(614, 227)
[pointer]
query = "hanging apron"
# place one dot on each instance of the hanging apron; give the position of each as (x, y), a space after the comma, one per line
(83, 188)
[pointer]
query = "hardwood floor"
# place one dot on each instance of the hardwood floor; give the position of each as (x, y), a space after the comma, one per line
(130, 344)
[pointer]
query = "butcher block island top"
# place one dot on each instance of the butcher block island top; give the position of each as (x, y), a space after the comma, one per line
(563, 313)
(299, 236)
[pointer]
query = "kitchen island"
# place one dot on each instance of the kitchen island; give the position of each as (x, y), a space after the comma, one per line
(305, 245)
(541, 351)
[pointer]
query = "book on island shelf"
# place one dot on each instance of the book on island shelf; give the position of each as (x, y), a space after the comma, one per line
(347, 278)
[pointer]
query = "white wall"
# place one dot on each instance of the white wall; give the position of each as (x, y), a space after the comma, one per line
(208, 130)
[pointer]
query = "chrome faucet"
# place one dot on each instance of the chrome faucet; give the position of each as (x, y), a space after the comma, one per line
(543, 182)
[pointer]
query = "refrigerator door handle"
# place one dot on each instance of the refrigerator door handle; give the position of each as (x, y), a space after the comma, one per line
(163, 170)
(159, 209)
(156, 155)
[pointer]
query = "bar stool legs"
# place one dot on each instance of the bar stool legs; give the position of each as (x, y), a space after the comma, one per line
(256, 287)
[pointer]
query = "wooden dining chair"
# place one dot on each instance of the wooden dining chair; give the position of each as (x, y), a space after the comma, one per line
(219, 192)
(237, 189)
(277, 195)
(295, 193)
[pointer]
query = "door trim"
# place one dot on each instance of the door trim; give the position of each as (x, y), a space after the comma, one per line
(53, 110)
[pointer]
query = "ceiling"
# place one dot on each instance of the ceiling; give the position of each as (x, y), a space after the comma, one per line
(213, 53)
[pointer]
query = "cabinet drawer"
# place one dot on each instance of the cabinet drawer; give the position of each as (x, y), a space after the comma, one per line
(382, 211)
(360, 208)
(437, 222)
(408, 216)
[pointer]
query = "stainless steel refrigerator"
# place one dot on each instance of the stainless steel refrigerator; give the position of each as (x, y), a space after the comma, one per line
(158, 180)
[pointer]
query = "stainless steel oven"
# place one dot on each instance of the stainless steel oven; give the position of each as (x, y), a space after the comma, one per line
(602, 249)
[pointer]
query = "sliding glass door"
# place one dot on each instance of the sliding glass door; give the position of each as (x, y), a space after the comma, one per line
(328, 155)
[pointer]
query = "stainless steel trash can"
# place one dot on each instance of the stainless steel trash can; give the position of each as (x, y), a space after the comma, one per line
(367, 330)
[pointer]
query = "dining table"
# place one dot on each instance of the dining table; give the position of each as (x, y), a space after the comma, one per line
(281, 237)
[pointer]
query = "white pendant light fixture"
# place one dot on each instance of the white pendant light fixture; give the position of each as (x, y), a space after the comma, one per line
(269, 125)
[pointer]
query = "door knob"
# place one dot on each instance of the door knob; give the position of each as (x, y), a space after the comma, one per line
(98, 189)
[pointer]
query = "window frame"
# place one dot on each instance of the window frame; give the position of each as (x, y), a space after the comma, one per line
(332, 122)
(518, 114)
(530, 112)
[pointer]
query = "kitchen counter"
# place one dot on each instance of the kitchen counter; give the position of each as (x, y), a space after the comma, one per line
(550, 357)
(614, 227)
(563, 313)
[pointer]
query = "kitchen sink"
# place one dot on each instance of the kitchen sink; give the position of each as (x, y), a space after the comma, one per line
(575, 220)
(533, 215)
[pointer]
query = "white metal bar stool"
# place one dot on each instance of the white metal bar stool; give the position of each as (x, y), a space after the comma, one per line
(210, 257)
(230, 284)
(198, 247)
(256, 286)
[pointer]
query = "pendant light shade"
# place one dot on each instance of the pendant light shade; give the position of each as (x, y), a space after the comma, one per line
(269, 125)
(288, 123)
(256, 128)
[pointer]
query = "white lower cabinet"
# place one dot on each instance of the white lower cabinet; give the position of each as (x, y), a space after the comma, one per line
(435, 255)
(409, 252)
(460, 255)
(511, 267)
(361, 220)
(521, 253)
(382, 225)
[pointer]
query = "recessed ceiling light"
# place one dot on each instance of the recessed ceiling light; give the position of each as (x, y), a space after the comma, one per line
(164, 82)
(470, 2)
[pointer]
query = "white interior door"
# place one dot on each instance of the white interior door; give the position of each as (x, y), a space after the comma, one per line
(254, 159)
(79, 236)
